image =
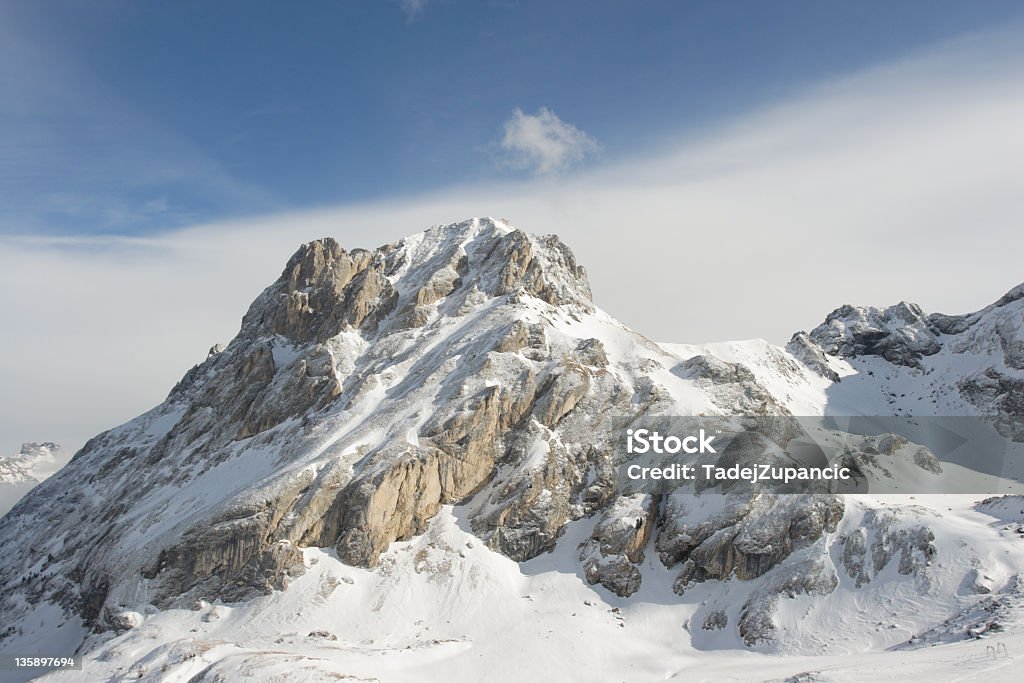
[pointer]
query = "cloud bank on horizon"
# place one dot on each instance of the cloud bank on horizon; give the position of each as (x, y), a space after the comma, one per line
(901, 181)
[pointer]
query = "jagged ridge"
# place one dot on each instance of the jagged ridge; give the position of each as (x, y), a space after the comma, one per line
(366, 389)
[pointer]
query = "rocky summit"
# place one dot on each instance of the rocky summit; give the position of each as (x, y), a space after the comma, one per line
(467, 368)
(33, 463)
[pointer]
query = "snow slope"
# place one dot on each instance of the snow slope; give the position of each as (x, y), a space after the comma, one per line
(401, 469)
(443, 607)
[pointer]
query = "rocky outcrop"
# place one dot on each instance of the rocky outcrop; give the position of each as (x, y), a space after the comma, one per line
(989, 343)
(1000, 395)
(528, 265)
(323, 291)
(730, 385)
(811, 355)
(393, 505)
(891, 536)
(611, 555)
(903, 334)
(715, 620)
(810, 575)
(900, 334)
(742, 538)
(873, 458)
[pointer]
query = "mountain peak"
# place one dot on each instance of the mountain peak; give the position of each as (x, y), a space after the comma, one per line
(325, 290)
(34, 462)
(903, 334)
(364, 390)
(464, 366)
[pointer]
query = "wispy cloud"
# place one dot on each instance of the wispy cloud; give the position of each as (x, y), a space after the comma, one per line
(543, 143)
(413, 8)
(899, 182)
(76, 153)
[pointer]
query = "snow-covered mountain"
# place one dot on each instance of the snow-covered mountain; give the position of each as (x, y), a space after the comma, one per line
(33, 463)
(23, 470)
(403, 468)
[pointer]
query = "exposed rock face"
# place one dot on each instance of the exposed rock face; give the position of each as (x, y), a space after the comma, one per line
(873, 458)
(617, 545)
(811, 355)
(364, 390)
(999, 394)
(903, 334)
(465, 365)
(900, 334)
(808, 575)
(731, 385)
(989, 614)
(892, 537)
(990, 342)
(323, 291)
(715, 621)
(981, 354)
(742, 538)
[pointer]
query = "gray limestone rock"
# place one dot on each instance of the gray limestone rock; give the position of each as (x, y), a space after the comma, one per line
(745, 538)
(808, 576)
(366, 389)
(730, 385)
(900, 334)
(811, 355)
(617, 544)
(892, 537)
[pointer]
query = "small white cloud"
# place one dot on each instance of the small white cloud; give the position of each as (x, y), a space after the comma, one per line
(412, 8)
(544, 143)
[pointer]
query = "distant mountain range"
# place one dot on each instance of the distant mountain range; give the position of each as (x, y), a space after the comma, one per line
(33, 463)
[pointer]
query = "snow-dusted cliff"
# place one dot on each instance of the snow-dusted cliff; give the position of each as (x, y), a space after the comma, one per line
(403, 468)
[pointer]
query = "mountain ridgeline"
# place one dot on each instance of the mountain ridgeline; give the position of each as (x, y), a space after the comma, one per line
(468, 366)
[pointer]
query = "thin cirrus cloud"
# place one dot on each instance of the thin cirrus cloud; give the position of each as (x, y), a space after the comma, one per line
(412, 8)
(898, 182)
(116, 166)
(543, 143)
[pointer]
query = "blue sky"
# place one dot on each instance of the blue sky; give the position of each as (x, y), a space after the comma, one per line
(723, 170)
(135, 117)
